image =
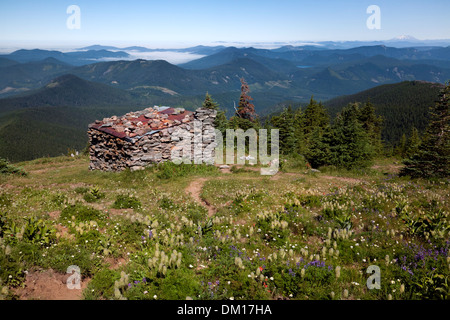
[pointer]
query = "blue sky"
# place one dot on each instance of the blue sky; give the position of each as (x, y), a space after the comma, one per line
(157, 23)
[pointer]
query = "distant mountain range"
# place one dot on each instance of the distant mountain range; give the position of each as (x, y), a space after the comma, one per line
(286, 72)
(100, 81)
(74, 58)
(202, 50)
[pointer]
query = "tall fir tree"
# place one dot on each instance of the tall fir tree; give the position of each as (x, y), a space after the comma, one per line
(285, 123)
(221, 122)
(315, 115)
(318, 152)
(209, 103)
(350, 145)
(314, 125)
(433, 156)
(372, 124)
(413, 143)
(401, 147)
(246, 109)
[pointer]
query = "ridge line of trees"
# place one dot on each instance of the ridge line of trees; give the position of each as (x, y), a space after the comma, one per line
(352, 140)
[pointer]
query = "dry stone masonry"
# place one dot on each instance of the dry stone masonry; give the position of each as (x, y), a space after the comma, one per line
(151, 136)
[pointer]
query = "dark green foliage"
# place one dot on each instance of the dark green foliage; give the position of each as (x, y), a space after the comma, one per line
(70, 91)
(209, 103)
(37, 232)
(372, 125)
(178, 285)
(221, 122)
(3, 223)
(314, 128)
(32, 133)
(285, 123)
(102, 284)
(49, 121)
(350, 145)
(350, 142)
(413, 143)
(318, 150)
(6, 168)
(166, 203)
(81, 213)
(402, 106)
(12, 271)
(310, 200)
(93, 195)
(315, 115)
(432, 159)
(124, 201)
(5, 200)
(65, 254)
(241, 123)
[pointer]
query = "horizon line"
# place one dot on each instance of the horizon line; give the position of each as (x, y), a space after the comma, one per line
(125, 44)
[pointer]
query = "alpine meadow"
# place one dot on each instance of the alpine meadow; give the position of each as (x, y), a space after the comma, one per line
(306, 169)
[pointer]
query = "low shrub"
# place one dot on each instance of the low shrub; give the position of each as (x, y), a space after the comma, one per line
(81, 213)
(93, 195)
(7, 168)
(125, 201)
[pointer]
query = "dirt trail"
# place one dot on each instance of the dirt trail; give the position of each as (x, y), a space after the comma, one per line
(195, 190)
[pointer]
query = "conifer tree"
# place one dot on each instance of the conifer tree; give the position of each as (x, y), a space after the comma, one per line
(433, 156)
(315, 115)
(314, 123)
(209, 103)
(372, 124)
(318, 152)
(401, 147)
(413, 143)
(350, 145)
(221, 122)
(285, 123)
(299, 135)
(246, 110)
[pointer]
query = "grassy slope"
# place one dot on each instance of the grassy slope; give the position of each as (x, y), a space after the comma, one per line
(247, 224)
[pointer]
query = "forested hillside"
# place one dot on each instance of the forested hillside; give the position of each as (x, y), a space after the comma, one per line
(402, 106)
(65, 81)
(54, 119)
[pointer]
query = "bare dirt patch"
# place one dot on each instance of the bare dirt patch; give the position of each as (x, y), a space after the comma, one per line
(54, 214)
(115, 263)
(49, 285)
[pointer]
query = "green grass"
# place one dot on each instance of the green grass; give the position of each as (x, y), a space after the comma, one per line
(265, 231)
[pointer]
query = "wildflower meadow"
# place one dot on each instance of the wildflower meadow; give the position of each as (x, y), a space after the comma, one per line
(179, 232)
